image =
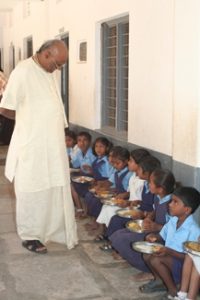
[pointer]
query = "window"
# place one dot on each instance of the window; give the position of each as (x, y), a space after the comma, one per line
(115, 47)
(28, 47)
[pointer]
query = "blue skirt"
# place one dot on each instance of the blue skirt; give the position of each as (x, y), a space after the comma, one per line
(122, 242)
(93, 204)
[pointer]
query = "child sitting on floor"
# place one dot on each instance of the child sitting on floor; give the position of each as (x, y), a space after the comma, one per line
(71, 144)
(162, 183)
(118, 182)
(84, 157)
(146, 166)
(190, 281)
(135, 188)
(100, 168)
(166, 264)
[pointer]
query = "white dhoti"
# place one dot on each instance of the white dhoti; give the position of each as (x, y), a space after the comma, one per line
(37, 159)
(46, 216)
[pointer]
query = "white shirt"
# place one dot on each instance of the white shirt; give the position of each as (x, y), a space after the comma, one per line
(37, 146)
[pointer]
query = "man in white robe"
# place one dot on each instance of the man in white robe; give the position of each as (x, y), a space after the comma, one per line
(37, 159)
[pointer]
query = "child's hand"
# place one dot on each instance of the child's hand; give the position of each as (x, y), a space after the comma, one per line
(120, 196)
(87, 168)
(151, 238)
(138, 214)
(135, 203)
(162, 251)
(123, 204)
(149, 225)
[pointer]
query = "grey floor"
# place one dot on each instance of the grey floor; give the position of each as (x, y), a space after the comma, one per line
(83, 273)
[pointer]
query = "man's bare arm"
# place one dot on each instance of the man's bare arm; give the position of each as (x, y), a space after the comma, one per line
(8, 113)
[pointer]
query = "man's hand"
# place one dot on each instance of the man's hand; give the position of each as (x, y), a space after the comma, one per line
(8, 113)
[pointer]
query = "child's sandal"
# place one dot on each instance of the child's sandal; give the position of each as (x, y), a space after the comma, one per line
(152, 286)
(99, 238)
(106, 248)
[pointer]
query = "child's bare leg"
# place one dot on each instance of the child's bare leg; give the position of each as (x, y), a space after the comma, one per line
(186, 273)
(162, 265)
(75, 197)
(194, 284)
(101, 229)
(77, 202)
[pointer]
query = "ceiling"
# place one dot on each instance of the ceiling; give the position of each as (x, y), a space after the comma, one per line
(7, 5)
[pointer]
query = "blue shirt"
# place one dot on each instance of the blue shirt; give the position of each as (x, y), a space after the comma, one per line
(105, 168)
(166, 198)
(125, 180)
(174, 238)
(78, 160)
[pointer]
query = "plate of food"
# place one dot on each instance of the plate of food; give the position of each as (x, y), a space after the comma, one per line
(82, 179)
(146, 247)
(192, 247)
(128, 212)
(104, 194)
(114, 201)
(135, 226)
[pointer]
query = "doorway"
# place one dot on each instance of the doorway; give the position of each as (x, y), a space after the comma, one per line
(65, 79)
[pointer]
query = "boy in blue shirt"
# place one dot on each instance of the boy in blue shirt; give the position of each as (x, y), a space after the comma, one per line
(84, 156)
(166, 264)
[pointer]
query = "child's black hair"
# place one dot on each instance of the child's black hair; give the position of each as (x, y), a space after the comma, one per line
(104, 141)
(164, 178)
(139, 154)
(149, 164)
(122, 154)
(71, 134)
(189, 196)
(115, 150)
(86, 134)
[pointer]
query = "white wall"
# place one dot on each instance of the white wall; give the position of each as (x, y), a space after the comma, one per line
(187, 82)
(164, 64)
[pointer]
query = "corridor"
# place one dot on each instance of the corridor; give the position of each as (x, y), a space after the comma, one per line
(83, 273)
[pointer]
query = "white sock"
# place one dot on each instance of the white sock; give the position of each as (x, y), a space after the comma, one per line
(182, 295)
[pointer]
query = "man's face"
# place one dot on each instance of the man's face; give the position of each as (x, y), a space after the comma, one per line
(55, 58)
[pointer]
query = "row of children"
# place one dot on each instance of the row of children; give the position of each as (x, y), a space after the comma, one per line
(137, 179)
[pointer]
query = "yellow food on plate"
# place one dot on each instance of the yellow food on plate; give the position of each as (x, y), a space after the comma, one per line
(119, 201)
(194, 246)
(131, 213)
(156, 248)
(134, 226)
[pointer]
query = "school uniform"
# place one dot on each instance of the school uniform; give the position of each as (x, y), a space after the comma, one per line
(120, 181)
(135, 188)
(72, 151)
(101, 168)
(117, 222)
(174, 239)
(78, 161)
(122, 239)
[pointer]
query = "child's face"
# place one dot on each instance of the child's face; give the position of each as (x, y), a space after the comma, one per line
(132, 165)
(111, 159)
(69, 142)
(119, 164)
(83, 143)
(100, 149)
(153, 188)
(177, 207)
(141, 174)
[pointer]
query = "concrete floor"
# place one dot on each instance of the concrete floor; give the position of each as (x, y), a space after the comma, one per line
(84, 273)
